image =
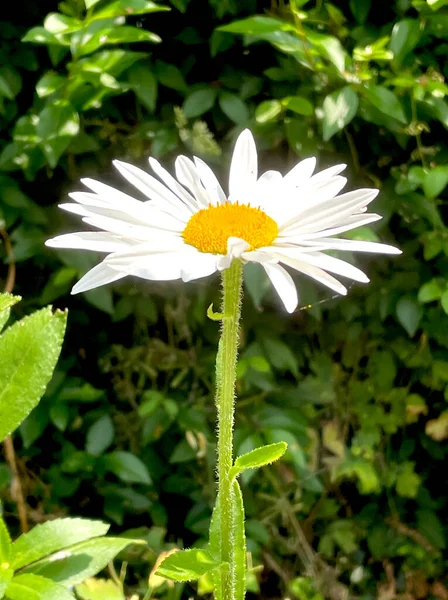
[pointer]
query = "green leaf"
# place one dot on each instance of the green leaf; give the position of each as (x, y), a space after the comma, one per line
(99, 589)
(430, 291)
(255, 25)
(233, 107)
(125, 8)
(29, 350)
(144, 85)
(39, 35)
(444, 301)
(100, 436)
(386, 102)
(339, 108)
(238, 543)
(268, 110)
(360, 9)
(53, 536)
(187, 565)
(199, 102)
(6, 301)
(6, 570)
(127, 467)
(258, 458)
(124, 34)
(33, 587)
(299, 105)
(75, 564)
(435, 181)
(169, 76)
(58, 124)
(5, 88)
(49, 83)
(409, 314)
(90, 3)
(57, 23)
(436, 4)
(405, 36)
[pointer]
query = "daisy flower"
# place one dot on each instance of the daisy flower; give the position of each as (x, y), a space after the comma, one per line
(188, 227)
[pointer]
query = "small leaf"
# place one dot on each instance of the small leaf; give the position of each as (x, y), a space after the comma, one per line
(255, 25)
(6, 570)
(437, 429)
(233, 107)
(258, 458)
(339, 109)
(53, 536)
(409, 314)
(199, 102)
(435, 181)
(430, 291)
(34, 587)
(49, 83)
(100, 436)
(386, 102)
(99, 589)
(444, 301)
(76, 563)
(6, 301)
(127, 467)
(144, 84)
(299, 105)
(58, 124)
(268, 110)
(187, 565)
(125, 8)
(405, 36)
(29, 350)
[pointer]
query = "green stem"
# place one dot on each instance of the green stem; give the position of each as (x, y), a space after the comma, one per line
(226, 363)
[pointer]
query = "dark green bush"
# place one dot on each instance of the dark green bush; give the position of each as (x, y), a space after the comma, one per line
(357, 386)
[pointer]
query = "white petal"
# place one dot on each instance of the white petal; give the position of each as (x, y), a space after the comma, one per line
(174, 186)
(89, 240)
(328, 173)
(99, 275)
(332, 212)
(235, 248)
(355, 246)
(351, 223)
(111, 196)
(209, 180)
(154, 190)
(316, 273)
(323, 261)
(244, 166)
(202, 265)
(162, 266)
(188, 176)
(142, 252)
(301, 172)
(283, 284)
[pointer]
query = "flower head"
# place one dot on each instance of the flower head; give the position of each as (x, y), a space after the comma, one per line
(189, 227)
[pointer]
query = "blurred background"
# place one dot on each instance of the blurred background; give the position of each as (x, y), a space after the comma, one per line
(357, 386)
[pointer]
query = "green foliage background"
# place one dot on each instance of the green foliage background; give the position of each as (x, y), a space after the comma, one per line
(358, 387)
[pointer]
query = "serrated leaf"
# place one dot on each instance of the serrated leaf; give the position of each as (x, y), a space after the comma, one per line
(29, 350)
(53, 536)
(339, 109)
(258, 458)
(127, 467)
(80, 561)
(34, 587)
(187, 565)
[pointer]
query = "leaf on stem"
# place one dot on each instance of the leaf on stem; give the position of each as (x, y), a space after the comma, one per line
(188, 565)
(258, 458)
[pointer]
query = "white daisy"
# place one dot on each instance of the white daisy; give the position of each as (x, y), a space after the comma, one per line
(190, 228)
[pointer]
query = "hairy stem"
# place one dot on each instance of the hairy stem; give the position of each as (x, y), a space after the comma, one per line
(226, 363)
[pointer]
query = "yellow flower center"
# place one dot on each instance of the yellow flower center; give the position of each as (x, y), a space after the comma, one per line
(209, 229)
